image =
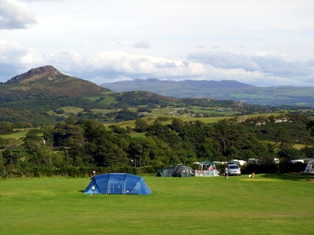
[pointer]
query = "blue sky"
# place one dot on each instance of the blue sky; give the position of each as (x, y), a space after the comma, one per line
(263, 43)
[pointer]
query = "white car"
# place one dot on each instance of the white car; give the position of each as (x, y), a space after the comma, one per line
(297, 161)
(233, 169)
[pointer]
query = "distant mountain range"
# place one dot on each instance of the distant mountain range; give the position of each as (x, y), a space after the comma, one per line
(138, 84)
(221, 90)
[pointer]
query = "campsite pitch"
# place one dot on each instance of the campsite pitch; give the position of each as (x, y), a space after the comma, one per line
(267, 204)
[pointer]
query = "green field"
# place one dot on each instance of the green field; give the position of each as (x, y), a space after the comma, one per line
(66, 111)
(15, 135)
(267, 204)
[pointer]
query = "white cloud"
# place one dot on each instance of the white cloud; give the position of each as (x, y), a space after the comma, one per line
(224, 59)
(114, 65)
(261, 68)
(13, 51)
(14, 59)
(15, 15)
(142, 44)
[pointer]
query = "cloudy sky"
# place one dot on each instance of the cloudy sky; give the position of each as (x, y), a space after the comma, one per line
(263, 43)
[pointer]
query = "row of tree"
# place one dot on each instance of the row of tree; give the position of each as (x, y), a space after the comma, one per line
(87, 144)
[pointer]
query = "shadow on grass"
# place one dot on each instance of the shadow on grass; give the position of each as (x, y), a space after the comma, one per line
(290, 176)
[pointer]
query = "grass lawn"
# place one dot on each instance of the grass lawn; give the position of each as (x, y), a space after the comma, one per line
(267, 204)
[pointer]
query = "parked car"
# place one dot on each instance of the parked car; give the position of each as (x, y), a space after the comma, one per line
(234, 169)
(297, 161)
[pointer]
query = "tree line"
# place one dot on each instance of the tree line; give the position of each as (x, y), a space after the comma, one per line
(77, 147)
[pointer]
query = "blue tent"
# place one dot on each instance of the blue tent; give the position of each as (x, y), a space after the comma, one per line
(117, 183)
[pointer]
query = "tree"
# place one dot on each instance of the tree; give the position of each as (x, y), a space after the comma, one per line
(135, 152)
(163, 132)
(125, 115)
(283, 139)
(70, 139)
(210, 149)
(177, 124)
(144, 110)
(24, 124)
(60, 111)
(109, 154)
(70, 120)
(9, 157)
(105, 147)
(3, 142)
(6, 127)
(289, 154)
(12, 157)
(117, 129)
(308, 152)
(140, 125)
(38, 152)
(186, 153)
(310, 127)
(68, 135)
(226, 133)
(47, 131)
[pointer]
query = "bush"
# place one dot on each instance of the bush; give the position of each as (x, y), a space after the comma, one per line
(60, 111)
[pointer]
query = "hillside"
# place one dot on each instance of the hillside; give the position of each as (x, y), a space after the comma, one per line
(43, 95)
(29, 96)
(221, 90)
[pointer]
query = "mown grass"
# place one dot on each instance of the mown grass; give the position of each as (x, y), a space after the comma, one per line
(238, 205)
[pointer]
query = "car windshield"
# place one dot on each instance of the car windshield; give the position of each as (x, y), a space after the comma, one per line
(233, 167)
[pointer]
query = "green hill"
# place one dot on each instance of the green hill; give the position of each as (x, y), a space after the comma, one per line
(43, 95)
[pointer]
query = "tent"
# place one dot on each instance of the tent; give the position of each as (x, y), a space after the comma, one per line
(117, 183)
(176, 171)
(309, 169)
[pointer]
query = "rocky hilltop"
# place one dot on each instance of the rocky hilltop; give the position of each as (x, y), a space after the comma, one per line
(48, 71)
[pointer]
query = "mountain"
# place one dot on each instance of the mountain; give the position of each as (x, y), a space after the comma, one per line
(221, 90)
(29, 96)
(49, 80)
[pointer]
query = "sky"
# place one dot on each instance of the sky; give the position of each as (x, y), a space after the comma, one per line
(258, 42)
